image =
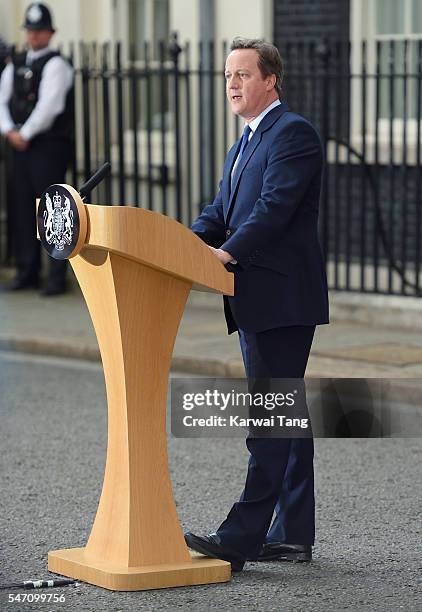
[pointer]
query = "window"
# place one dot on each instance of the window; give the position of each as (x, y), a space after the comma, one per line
(397, 30)
(148, 21)
(149, 24)
(392, 31)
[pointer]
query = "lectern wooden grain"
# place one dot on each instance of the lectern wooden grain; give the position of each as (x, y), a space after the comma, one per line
(136, 269)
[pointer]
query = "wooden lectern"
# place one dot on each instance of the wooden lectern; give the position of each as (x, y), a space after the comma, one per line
(136, 269)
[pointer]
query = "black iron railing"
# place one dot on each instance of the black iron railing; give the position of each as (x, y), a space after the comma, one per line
(166, 127)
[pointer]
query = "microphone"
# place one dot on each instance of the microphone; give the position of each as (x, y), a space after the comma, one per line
(94, 180)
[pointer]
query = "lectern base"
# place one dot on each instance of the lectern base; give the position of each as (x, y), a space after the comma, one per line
(74, 562)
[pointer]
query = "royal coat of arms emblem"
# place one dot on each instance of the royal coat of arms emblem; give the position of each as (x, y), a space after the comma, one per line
(62, 221)
(58, 221)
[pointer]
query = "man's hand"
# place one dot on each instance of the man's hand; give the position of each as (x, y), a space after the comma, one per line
(223, 256)
(16, 140)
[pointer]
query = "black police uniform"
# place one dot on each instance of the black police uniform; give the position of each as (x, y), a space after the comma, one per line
(4, 54)
(43, 163)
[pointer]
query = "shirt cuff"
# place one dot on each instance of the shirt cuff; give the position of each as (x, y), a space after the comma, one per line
(7, 126)
(26, 132)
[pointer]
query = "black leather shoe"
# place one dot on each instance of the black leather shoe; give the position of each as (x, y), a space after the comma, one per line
(18, 284)
(277, 551)
(52, 290)
(210, 546)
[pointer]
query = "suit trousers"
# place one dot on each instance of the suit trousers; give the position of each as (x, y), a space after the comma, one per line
(280, 473)
(41, 165)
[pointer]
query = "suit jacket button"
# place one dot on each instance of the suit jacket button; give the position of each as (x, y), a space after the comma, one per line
(228, 232)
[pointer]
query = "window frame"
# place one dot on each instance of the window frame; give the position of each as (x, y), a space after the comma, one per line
(363, 28)
(150, 8)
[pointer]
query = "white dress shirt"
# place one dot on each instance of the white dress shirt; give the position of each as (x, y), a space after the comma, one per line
(254, 126)
(56, 80)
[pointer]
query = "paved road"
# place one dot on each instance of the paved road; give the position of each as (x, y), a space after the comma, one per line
(52, 443)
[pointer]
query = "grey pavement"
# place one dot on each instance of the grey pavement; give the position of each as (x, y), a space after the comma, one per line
(53, 441)
(362, 340)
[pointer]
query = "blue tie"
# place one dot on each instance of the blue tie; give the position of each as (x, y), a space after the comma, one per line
(243, 145)
(245, 140)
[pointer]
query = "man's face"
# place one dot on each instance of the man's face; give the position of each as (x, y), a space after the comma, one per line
(38, 39)
(247, 90)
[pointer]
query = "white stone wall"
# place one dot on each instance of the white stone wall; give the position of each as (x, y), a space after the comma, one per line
(106, 20)
(88, 20)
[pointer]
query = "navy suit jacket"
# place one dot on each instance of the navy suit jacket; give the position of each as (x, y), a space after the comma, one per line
(267, 220)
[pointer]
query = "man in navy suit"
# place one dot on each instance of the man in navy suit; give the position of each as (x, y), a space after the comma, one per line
(263, 226)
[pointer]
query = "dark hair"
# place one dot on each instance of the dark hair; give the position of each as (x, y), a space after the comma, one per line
(269, 58)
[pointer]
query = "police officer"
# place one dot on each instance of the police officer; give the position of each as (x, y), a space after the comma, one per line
(4, 54)
(36, 116)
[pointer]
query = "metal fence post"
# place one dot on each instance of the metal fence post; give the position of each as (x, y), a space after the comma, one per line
(174, 51)
(323, 52)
